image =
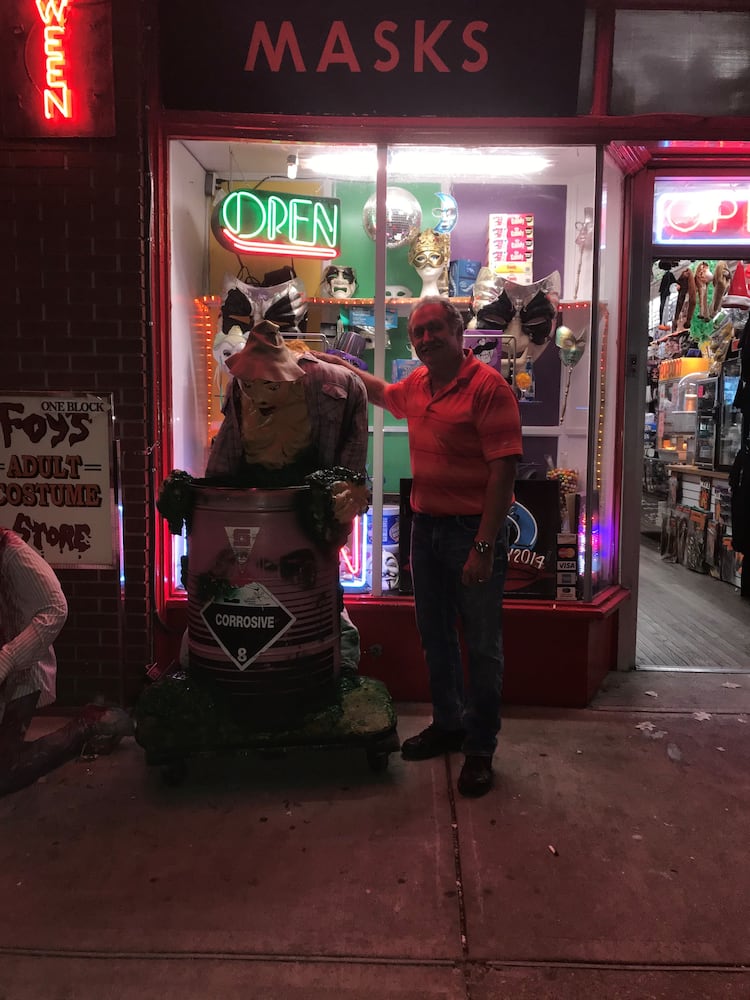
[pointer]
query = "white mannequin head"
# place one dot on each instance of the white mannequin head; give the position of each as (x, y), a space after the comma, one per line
(429, 255)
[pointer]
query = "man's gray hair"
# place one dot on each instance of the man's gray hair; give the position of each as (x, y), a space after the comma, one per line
(451, 313)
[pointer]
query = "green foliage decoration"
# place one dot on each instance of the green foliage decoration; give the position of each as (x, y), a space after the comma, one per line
(176, 500)
(317, 512)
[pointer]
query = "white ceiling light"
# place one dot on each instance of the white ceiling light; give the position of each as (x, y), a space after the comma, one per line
(429, 162)
(343, 162)
(447, 161)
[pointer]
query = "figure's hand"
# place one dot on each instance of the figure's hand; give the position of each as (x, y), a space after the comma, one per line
(349, 499)
(337, 496)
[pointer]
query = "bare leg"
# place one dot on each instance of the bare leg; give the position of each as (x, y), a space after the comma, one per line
(685, 289)
(703, 277)
(722, 280)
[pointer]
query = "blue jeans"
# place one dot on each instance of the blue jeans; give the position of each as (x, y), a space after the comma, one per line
(439, 549)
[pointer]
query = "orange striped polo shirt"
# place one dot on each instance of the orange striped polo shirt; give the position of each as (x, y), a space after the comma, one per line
(455, 433)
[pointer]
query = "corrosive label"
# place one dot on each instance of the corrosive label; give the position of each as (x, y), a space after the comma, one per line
(248, 623)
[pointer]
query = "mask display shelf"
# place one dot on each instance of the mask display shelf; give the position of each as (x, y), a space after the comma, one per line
(460, 301)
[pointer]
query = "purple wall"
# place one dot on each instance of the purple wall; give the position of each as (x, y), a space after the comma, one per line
(547, 203)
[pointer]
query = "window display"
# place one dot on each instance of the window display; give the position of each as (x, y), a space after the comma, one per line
(504, 245)
(525, 312)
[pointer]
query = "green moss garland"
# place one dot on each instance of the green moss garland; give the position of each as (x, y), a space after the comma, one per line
(176, 500)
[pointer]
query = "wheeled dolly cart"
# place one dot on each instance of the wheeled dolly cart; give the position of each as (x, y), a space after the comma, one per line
(181, 716)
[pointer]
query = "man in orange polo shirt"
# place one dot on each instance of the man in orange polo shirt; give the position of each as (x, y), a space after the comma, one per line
(464, 442)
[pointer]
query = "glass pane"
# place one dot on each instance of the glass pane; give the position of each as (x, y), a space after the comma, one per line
(290, 211)
(273, 274)
(603, 528)
(679, 62)
(492, 221)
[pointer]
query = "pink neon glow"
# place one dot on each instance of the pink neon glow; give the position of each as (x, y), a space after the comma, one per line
(284, 249)
(351, 556)
(57, 95)
(346, 557)
(352, 559)
(707, 146)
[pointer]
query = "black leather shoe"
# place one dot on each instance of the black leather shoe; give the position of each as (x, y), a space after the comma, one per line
(476, 776)
(432, 742)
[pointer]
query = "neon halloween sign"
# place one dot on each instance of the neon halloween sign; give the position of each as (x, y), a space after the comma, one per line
(57, 95)
(272, 222)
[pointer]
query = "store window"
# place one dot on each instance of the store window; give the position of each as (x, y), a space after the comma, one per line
(681, 62)
(475, 224)
(598, 534)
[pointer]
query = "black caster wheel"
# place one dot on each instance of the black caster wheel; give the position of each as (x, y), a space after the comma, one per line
(378, 760)
(174, 773)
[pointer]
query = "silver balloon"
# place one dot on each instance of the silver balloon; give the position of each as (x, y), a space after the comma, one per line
(403, 217)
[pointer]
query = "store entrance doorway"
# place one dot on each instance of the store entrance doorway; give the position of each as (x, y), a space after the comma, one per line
(688, 621)
(691, 615)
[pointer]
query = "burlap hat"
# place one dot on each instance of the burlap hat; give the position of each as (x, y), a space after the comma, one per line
(265, 356)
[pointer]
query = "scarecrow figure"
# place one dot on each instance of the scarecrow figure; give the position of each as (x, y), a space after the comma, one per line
(287, 416)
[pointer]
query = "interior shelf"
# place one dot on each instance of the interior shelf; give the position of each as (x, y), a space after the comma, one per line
(458, 300)
(390, 303)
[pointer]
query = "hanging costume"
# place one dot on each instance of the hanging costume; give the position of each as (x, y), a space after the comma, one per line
(667, 280)
(685, 290)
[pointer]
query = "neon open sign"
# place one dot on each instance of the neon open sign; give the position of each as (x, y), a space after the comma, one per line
(270, 222)
(57, 97)
(705, 214)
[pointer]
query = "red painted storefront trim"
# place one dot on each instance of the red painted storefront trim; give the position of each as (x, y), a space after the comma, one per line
(557, 653)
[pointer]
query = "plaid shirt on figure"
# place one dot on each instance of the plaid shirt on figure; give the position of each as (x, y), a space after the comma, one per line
(337, 406)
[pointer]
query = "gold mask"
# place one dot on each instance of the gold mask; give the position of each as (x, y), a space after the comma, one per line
(429, 249)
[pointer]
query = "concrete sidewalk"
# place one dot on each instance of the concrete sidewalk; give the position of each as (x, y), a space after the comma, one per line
(611, 860)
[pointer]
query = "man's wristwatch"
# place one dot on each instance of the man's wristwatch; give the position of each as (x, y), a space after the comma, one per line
(482, 547)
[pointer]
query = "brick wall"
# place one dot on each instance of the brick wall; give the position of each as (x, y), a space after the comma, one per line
(73, 214)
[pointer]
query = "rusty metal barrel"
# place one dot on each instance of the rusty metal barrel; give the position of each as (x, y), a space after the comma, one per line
(263, 602)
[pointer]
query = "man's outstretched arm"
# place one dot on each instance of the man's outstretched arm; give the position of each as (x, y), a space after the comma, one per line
(375, 386)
